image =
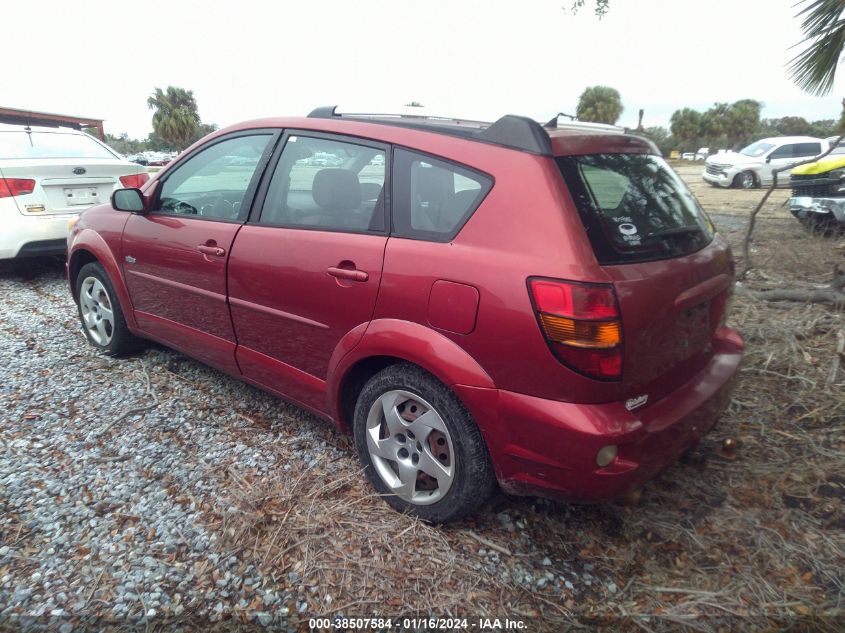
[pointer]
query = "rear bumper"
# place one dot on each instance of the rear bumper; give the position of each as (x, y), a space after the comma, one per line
(25, 236)
(548, 448)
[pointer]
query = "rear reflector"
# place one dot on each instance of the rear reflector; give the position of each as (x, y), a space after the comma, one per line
(16, 187)
(581, 324)
(134, 181)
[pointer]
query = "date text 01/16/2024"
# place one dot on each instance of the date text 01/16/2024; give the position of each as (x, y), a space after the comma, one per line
(416, 624)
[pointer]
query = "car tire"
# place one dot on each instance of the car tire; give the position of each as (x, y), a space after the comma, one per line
(100, 313)
(420, 447)
(745, 180)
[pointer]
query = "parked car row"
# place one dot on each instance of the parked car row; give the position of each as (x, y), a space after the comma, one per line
(158, 159)
(538, 308)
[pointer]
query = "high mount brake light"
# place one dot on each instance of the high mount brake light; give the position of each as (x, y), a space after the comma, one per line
(16, 187)
(582, 325)
(134, 181)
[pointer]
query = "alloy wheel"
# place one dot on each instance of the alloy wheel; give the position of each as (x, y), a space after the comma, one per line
(96, 308)
(410, 447)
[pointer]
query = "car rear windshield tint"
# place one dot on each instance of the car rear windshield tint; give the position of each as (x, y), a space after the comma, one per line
(634, 207)
(50, 145)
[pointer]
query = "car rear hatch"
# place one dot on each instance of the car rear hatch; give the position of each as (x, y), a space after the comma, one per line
(61, 172)
(670, 273)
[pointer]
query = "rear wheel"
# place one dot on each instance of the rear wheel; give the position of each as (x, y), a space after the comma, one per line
(100, 313)
(745, 180)
(420, 447)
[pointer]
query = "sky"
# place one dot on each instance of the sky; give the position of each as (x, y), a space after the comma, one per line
(246, 59)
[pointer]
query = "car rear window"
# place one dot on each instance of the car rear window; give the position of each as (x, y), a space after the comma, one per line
(634, 207)
(50, 145)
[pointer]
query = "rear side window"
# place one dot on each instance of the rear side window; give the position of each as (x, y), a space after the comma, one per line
(432, 198)
(805, 150)
(50, 145)
(634, 207)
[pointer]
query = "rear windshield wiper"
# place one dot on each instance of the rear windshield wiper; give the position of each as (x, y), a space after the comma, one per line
(678, 230)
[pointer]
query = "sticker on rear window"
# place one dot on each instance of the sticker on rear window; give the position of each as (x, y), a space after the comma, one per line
(628, 230)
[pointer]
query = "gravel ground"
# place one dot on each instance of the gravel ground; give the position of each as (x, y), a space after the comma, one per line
(153, 489)
(106, 467)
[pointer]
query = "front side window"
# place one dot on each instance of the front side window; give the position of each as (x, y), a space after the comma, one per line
(50, 145)
(784, 151)
(757, 149)
(213, 182)
(327, 184)
(634, 207)
(433, 198)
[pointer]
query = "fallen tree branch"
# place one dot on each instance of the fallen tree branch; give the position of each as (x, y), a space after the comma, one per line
(832, 294)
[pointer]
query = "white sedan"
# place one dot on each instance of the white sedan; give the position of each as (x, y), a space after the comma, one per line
(47, 177)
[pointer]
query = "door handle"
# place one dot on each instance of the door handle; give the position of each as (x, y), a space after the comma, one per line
(346, 273)
(211, 250)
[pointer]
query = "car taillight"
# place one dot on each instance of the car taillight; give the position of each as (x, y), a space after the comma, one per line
(582, 325)
(134, 181)
(16, 187)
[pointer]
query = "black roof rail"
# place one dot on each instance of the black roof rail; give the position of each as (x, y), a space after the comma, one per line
(511, 131)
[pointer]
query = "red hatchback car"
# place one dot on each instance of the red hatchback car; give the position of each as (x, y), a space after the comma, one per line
(538, 307)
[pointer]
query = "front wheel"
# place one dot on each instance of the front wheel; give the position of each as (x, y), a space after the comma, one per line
(420, 447)
(100, 313)
(745, 180)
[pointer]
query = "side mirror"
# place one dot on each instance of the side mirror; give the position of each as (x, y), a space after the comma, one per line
(131, 200)
(768, 159)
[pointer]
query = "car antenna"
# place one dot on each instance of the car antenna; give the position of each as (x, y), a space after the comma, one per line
(553, 121)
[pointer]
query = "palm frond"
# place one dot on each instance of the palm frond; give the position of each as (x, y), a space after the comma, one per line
(814, 69)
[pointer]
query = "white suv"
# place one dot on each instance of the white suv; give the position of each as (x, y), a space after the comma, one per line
(47, 177)
(752, 166)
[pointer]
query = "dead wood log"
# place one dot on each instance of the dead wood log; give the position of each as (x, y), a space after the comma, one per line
(832, 293)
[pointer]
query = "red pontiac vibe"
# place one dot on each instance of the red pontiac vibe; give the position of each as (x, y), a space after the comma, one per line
(541, 308)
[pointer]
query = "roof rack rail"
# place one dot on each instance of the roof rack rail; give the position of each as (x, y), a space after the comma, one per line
(511, 130)
(574, 123)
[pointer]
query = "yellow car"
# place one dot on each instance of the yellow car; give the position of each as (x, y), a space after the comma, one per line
(818, 191)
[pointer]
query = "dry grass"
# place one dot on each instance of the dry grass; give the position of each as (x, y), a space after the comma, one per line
(751, 539)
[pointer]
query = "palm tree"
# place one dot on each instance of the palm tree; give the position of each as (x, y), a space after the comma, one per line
(175, 116)
(599, 104)
(824, 32)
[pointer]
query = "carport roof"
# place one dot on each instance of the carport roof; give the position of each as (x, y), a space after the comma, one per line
(30, 117)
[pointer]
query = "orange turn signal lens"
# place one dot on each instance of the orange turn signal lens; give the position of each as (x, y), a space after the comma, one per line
(592, 334)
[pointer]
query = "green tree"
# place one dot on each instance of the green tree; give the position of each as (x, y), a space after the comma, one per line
(601, 6)
(203, 129)
(599, 104)
(175, 116)
(686, 124)
(124, 145)
(742, 120)
(659, 136)
(814, 68)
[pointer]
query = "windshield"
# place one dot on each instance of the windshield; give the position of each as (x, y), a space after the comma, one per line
(20, 144)
(757, 149)
(634, 207)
